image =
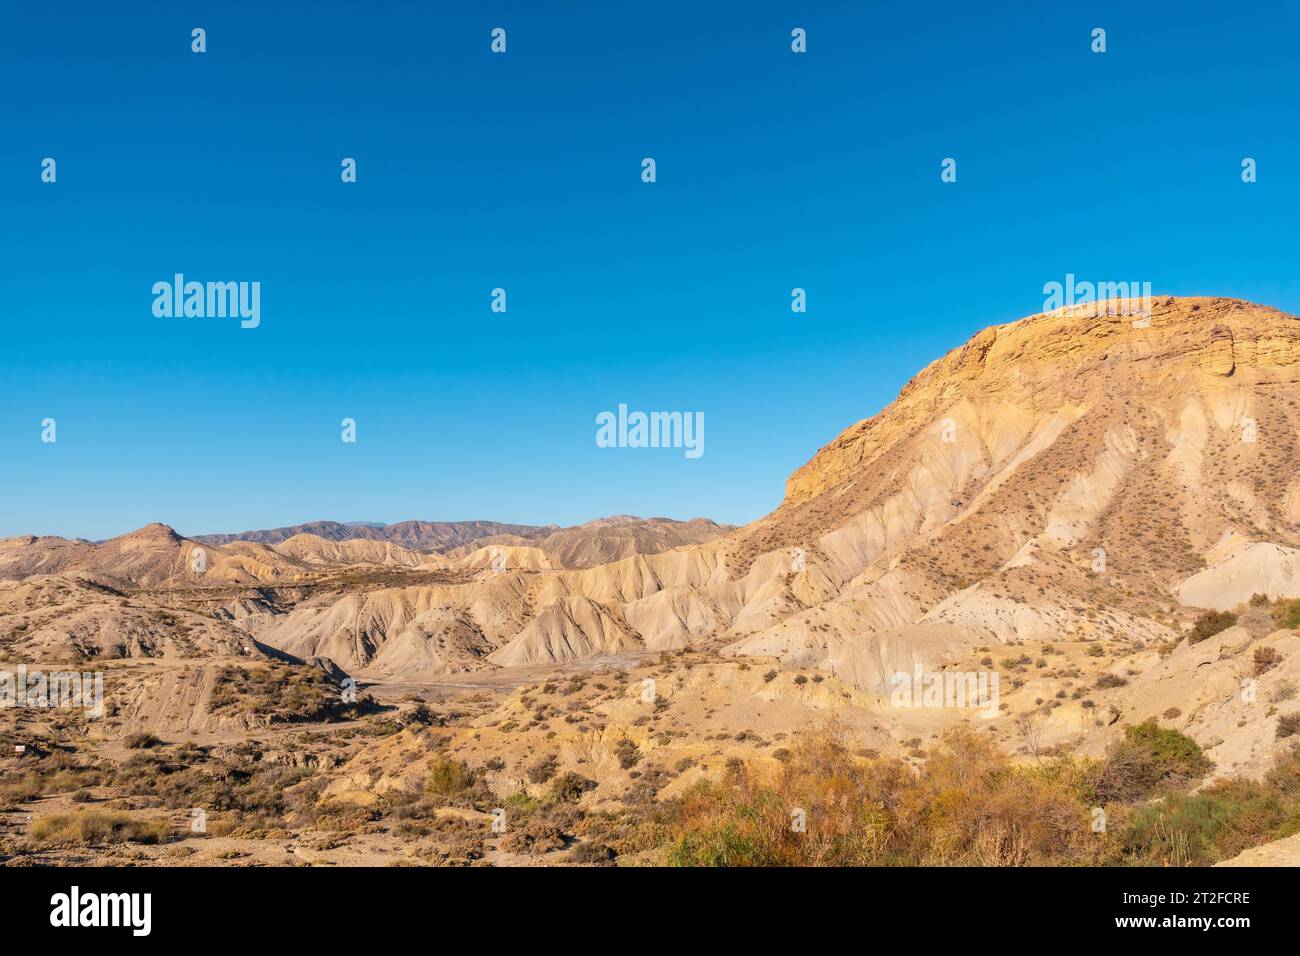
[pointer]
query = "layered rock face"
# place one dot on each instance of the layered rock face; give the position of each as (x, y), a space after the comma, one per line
(1064, 474)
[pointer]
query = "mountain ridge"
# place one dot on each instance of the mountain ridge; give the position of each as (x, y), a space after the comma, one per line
(973, 509)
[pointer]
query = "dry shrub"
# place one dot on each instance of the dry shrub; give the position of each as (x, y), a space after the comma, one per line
(535, 836)
(544, 769)
(17, 789)
(968, 805)
(1288, 725)
(1265, 659)
(91, 828)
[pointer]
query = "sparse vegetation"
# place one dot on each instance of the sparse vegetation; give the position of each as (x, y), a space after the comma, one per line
(449, 778)
(1215, 823)
(92, 828)
(1209, 624)
(543, 769)
(1149, 760)
(569, 787)
(628, 753)
(970, 806)
(284, 693)
(1287, 614)
(1265, 659)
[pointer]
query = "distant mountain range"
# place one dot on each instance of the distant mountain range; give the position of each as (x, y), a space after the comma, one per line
(436, 536)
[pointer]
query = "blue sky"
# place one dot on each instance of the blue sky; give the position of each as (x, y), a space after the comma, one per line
(522, 171)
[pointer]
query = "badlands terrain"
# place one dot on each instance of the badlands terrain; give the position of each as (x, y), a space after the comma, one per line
(1102, 517)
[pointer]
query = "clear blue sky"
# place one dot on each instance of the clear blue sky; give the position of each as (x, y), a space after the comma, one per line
(775, 170)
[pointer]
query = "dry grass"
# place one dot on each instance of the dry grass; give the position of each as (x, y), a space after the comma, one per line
(93, 828)
(968, 805)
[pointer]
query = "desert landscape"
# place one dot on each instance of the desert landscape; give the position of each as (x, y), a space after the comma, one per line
(1044, 608)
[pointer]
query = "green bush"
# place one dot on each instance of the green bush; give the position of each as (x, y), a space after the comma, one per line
(1149, 760)
(1215, 823)
(1287, 614)
(449, 778)
(1209, 624)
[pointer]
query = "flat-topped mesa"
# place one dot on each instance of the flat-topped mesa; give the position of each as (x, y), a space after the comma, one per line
(1074, 355)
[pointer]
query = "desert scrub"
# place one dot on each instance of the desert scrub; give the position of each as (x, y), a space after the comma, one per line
(20, 788)
(1288, 725)
(628, 753)
(569, 787)
(254, 791)
(1215, 823)
(1266, 658)
(92, 828)
(968, 805)
(454, 783)
(1209, 624)
(591, 853)
(535, 835)
(58, 773)
(543, 769)
(1287, 614)
(283, 693)
(1150, 759)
